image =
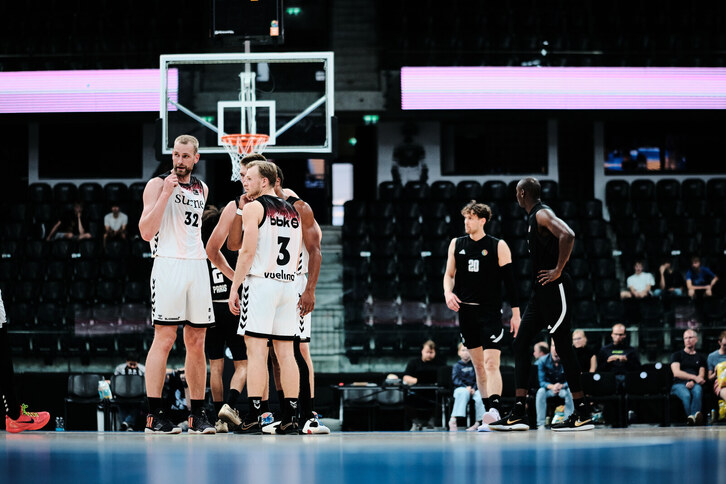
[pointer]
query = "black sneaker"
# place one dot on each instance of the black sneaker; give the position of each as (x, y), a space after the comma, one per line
(574, 423)
(288, 428)
(249, 427)
(157, 423)
(199, 424)
(511, 422)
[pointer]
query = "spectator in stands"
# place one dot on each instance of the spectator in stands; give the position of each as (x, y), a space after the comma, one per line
(700, 279)
(541, 350)
(72, 225)
(689, 372)
(584, 353)
(714, 359)
(115, 224)
(129, 412)
(618, 357)
(639, 283)
(421, 404)
(464, 378)
(670, 281)
(552, 383)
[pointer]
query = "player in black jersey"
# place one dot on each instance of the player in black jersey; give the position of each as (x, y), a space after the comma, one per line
(476, 266)
(550, 244)
(215, 227)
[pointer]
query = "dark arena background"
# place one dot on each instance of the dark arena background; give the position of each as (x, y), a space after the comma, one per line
(388, 118)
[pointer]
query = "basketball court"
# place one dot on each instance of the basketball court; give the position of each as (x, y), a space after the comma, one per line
(638, 454)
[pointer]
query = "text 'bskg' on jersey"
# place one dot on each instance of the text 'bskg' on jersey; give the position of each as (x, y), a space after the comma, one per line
(279, 241)
(180, 232)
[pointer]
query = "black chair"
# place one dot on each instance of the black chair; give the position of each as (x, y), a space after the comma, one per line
(54, 291)
(578, 268)
(512, 210)
(522, 268)
(467, 190)
(389, 191)
(384, 312)
(585, 314)
(81, 291)
(601, 387)
(583, 289)
(645, 209)
(406, 210)
(116, 192)
(519, 248)
(591, 209)
(667, 189)
(651, 383)
(65, 192)
(113, 270)
(127, 390)
(612, 311)
(117, 249)
(617, 191)
(693, 189)
(137, 292)
(26, 291)
(62, 249)
(136, 191)
(495, 191)
(442, 191)
(40, 192)
(383, 269)
(109, 292)
(594, 228)
(607, 289)
(13, 231)
(51, 315)
(413, 290)
(91, 192)
(549, 190)
(433, 211)
(514, 229)
(409, 228)
(672, 209)
(567, 209)
(411, 268)
(11, 249)
(603, 268)
(599, 248)
(642, 189)
(354, 210)
(8, 270)
(716, 190)
(435, 230)
(620, 209)
(32, 271)
(416, 190)
(696, 208)
(83, 391)
(384, 289)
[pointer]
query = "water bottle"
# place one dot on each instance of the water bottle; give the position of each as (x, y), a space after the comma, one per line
(60, 424)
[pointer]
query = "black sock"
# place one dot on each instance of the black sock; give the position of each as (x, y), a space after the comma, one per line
(265, 406)
(281, 399)
(155, 404)
(494, 402)
(255, 406)
(217, 407)
(197, 407)
(232, 398)
(522, 400)
(519, 408)
(582, 408)
(289, 409)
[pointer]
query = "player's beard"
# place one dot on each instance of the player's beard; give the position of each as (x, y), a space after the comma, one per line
(182, 171)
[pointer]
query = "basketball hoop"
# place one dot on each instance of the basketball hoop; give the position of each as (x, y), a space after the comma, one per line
(240, 145)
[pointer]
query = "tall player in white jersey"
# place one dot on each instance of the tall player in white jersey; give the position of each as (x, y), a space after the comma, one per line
(180, 292)
(267, 264)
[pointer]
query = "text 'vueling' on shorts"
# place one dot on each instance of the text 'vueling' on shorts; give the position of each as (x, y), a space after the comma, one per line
(180, 292)
(268, 309)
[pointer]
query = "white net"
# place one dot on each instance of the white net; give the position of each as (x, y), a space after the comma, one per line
(240, 145)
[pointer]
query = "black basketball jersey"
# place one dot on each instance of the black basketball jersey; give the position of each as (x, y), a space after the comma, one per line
(219, 284)
(544, 248)
(478, 279)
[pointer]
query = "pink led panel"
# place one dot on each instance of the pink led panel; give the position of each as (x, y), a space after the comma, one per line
(562, 88)
(84, 91)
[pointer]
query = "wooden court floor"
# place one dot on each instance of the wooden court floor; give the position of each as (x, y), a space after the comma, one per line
(678, 455)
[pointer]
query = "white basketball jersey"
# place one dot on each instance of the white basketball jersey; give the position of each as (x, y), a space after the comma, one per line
(278, 241)
(302, 267)
(180, 232)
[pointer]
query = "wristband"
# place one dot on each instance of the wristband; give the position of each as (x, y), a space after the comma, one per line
(239, 211)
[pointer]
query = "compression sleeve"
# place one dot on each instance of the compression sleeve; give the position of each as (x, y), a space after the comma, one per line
(510, 285)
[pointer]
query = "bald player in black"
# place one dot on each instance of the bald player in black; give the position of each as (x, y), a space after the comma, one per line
(550, 245)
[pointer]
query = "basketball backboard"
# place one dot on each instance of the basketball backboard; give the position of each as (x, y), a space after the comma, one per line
(288, 96)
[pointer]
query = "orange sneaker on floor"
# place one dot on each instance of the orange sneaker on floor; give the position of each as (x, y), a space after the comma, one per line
(26, 421)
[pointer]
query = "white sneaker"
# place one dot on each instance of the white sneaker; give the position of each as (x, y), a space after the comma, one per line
(270, 429)
(474, 427)
(491, 416)
(221, 426)
(313, 426)
(484, 427)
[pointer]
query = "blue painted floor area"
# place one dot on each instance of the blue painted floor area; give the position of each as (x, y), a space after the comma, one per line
(643, 456)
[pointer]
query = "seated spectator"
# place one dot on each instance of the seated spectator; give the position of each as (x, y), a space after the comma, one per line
(421, 404)
(639, 284)
(618, 357)
(700, 279)
(128, 413)
(670, 281)
(541, 350)
(72, 225)
(718, 356)
(584, 353)
(464, 379)
(552, 383)
(177, 397)
(689, 371)
(115, 224)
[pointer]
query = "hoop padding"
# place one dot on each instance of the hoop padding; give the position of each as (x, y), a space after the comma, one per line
(240, 145)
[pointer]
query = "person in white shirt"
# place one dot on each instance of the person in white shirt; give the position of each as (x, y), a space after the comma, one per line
(115, 223)
(639, 284)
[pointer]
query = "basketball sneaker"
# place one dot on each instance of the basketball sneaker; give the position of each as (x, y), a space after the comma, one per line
(26, 420)
(221, 426)
(266, 419)
(229, 415)
(516, 420)
(199, 424)
(251, 427)
(313, 426)
(288, 428)
(474, 427)
(573, 423)
(270, 428)
(157, 423)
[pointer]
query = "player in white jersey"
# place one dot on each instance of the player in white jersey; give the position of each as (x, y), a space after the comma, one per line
(267, 264)
(180, 292)
(17, 418)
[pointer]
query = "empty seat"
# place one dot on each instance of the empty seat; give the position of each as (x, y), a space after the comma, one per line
(645, 209)
(696, 208)
(468, 190)
(13, 231)
(693, 189)
(62, 249)
(431, 210)
(566, 209)
(667, 189)
(381, 209)
(512, 210)
(522, 268)
(413, 290)
(416, 190)
(36, 249)
(383, 269)
(409, 247)
(51, 314)
(617, 191)
(116, 249)
(411, 268)
(389, 191)
(514, 229)
(599, 247)
(109, 291)
(442, 191)
(577, 268)
(549, 190)
(40, 192)
(594, 228)
(642, 189)
(136, 191)
(112, 269)
(716, 190)
(354, 210)
(519, 248)
(116, 192)
(607, 289)
(585, 314)
(495, 191)
(385, 311)
(627, 227)
(408, 210)
(612, 311)
(672, 208)
(81, 291)
(32, 270)
(583, 289)
(54, 291)
(620, 209)
(91, 192)
(591, 209)
(603, 268)
(435, 230)
(65, 192)
(383, 247)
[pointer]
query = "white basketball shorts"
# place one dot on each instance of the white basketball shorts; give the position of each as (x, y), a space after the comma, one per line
(180, 292)
(303, 326)
(268, 309)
